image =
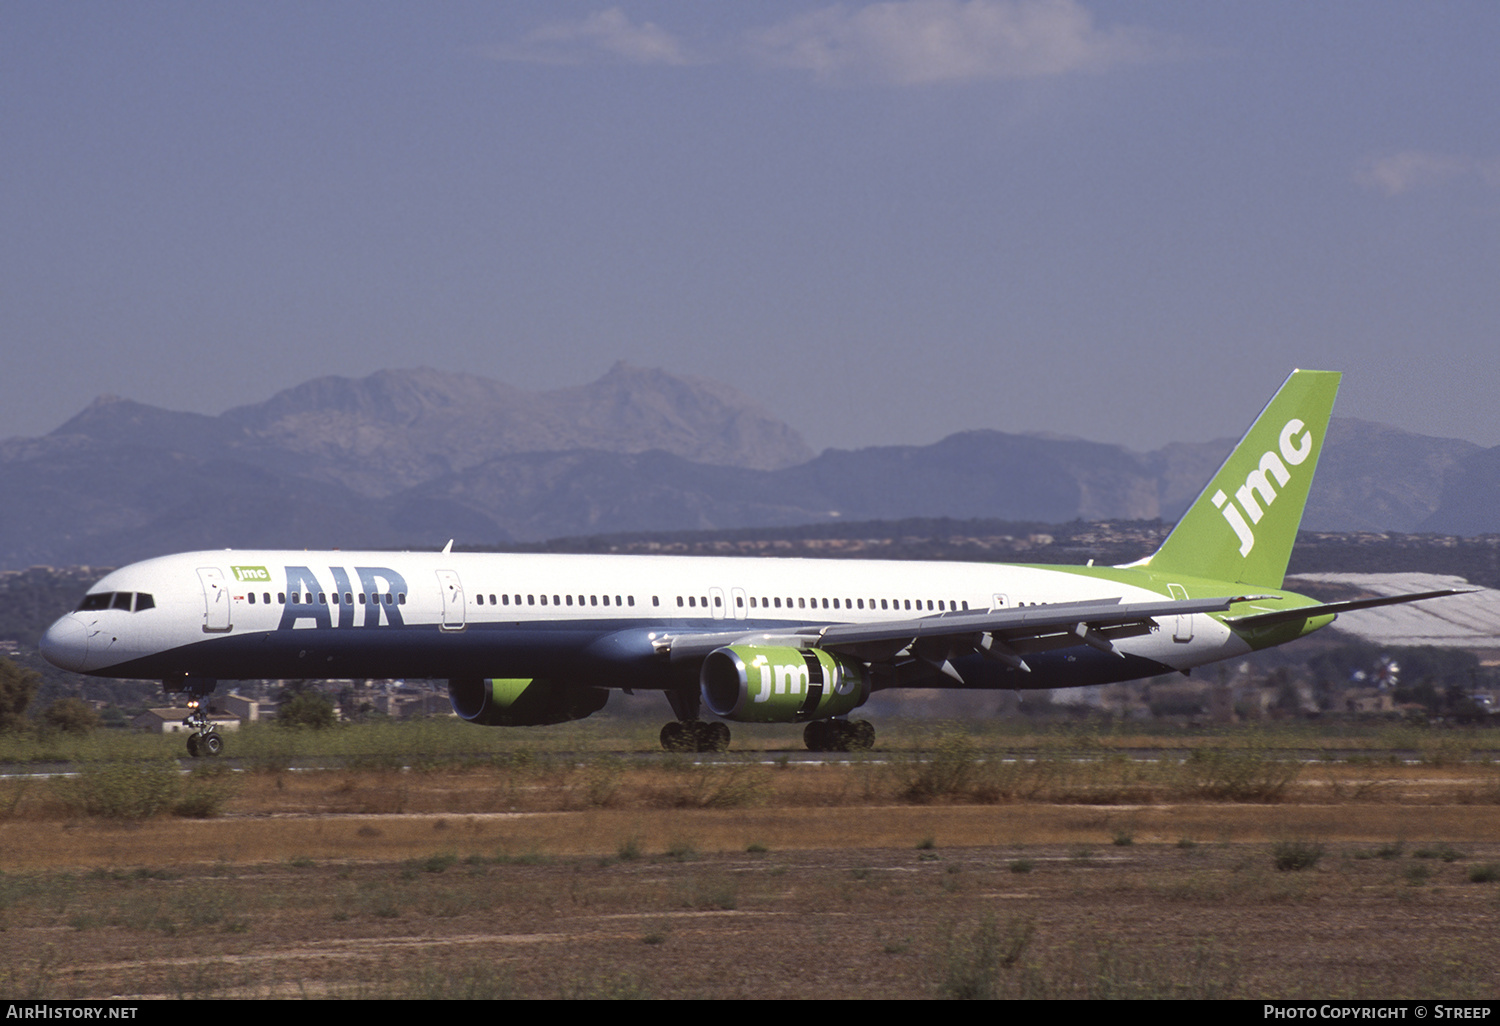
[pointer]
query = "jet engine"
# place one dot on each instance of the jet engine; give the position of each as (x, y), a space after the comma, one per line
(767, 684)
(522, 702)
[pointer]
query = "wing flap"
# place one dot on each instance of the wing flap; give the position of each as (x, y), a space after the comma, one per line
(1019, 630)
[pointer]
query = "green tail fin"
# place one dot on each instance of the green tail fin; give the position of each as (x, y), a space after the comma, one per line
(1243, 525)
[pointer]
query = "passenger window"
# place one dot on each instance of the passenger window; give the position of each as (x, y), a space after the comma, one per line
(479, 600)
(281, 598)
(251, 597)
(570, 600)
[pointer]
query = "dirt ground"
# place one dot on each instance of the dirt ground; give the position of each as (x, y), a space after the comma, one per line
(765, 903)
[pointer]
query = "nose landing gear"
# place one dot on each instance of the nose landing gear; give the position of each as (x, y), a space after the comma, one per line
(205, 739)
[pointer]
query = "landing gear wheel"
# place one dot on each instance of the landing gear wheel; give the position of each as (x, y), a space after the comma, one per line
(193, 745)
(676, 737)
(717, 738)
(695, 736)
(861, 736)
(212, 744)
(838, 735)
(818, 735)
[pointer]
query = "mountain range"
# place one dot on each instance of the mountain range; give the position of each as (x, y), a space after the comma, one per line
(411, 458)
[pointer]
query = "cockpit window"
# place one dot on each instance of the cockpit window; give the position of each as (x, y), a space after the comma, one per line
(117, 600)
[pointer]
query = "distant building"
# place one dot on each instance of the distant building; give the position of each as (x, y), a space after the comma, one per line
(169, 721)
(1367, 701)
(247, 709)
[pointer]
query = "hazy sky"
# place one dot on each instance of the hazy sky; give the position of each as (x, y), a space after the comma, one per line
(887, 222)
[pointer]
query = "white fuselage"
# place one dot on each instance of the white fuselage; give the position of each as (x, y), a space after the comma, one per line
(234, 614)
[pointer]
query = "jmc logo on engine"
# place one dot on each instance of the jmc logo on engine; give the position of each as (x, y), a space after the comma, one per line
(779, 678)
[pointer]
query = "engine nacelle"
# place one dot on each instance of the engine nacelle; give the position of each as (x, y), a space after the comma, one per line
(522, 702)
(765, 684)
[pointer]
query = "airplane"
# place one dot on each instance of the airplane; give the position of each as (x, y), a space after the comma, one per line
(528, 639)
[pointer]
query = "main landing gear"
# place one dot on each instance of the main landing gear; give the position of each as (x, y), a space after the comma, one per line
(695, 736)
(839, 736)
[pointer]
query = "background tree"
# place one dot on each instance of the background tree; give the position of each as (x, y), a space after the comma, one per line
(17, 687)
(71, 715)
(306, 709)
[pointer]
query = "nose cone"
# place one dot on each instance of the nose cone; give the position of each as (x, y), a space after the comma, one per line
(66, 644)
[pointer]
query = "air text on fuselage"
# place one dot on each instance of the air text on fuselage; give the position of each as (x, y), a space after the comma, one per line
(307, 598)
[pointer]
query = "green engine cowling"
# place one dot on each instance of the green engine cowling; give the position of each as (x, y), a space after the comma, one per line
(765, 684)
(522, 702)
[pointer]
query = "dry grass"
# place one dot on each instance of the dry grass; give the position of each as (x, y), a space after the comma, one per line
(549, 876)
(85, 844)
(679, 920)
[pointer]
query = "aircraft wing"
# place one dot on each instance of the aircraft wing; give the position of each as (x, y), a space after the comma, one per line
(1006, 635)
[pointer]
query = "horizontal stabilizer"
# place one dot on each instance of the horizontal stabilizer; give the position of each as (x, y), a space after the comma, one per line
(1334, 608)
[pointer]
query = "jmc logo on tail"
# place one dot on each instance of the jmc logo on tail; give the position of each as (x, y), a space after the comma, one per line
(1258, 482)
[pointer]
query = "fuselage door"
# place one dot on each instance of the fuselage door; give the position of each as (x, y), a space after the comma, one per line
(741, 606)
(1182, 631)
(716, 602)
(215, 600)
(1000, 602)
(453, 600)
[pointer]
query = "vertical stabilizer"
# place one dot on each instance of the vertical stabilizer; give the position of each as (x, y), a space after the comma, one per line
(1243, 525)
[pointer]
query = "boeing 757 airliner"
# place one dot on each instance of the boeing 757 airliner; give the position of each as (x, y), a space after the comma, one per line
(536, 639)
